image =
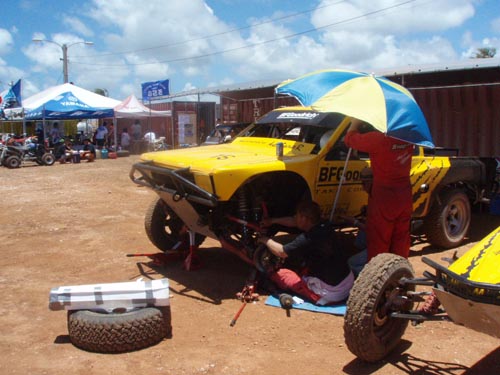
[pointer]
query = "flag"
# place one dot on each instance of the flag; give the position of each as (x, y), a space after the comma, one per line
(13, 97)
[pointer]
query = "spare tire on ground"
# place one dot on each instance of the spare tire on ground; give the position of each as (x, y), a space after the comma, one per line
(119, 332)
(121, 153)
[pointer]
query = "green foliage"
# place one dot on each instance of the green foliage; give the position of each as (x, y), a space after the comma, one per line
(102, 92)
(485, 53)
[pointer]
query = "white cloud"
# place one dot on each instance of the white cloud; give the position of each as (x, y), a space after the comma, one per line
(47, 55)
(6, 42)
(384, 16)
(78, 26)
(374, 41)
(159, 39)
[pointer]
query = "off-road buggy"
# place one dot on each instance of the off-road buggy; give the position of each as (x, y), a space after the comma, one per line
(382, 300)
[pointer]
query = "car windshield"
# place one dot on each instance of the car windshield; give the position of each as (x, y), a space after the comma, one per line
(316, 133)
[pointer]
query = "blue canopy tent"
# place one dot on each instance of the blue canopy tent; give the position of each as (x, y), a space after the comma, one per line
(67, 106)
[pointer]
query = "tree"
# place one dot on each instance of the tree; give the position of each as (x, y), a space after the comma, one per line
(485, 53)
(102, 92)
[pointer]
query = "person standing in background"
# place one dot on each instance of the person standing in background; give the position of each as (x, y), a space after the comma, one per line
(101, 135)
(136, 130)
(390, 203)
(110, 137)
(125, 139)
(55, 134)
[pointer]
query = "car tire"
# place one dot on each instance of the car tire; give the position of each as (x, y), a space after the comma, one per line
(122, 153)
(370, 332)
(118, 333)
(165, 229)
(449, 220)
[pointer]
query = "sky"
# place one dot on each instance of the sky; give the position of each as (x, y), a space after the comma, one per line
(200, 44)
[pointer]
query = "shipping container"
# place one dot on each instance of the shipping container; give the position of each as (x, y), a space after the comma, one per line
(460, 105)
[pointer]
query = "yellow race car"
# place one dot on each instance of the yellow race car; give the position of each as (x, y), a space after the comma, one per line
(381, 302)
(224, 191)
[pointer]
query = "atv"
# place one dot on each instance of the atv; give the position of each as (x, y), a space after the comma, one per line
(13, 156)
(381, 302)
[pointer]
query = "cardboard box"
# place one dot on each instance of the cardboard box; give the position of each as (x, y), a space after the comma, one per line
(108, 297)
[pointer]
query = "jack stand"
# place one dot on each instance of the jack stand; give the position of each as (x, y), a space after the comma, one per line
(162, 259)
(192, 262)
(246, 295)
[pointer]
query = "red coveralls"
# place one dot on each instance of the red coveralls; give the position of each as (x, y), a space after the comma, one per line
(390, 202)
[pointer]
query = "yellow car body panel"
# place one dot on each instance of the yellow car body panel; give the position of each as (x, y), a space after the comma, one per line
(228, 166)
(482, 262)
(224, 162)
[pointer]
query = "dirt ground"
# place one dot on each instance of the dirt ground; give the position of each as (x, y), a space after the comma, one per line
(73, 224)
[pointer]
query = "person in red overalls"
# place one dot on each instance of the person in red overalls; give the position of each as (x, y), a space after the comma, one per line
(390, 203)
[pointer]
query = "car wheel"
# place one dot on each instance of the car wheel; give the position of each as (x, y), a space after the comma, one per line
(165, 229)
(449, 220)
(369, 330)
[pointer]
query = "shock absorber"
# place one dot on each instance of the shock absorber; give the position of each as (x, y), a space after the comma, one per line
(244, 214)
(257, 209)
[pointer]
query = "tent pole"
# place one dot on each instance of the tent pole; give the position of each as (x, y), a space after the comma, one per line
(172, 123)
(115, 132)
(149, 126)
(43, 127)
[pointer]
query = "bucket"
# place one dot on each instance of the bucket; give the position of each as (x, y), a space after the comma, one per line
(98, 154)
(495, 205)
(104, 153)
(112, 155)
(75, 157)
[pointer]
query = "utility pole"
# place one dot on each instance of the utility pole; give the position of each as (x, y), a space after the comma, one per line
(64, 47)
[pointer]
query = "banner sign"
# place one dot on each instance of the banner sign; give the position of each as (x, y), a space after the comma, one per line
(155, 90)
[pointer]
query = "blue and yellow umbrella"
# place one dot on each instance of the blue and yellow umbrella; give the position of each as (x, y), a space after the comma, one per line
(387, 106)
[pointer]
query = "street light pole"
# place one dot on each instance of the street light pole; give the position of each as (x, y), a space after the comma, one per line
(64, 47)
(65, 62)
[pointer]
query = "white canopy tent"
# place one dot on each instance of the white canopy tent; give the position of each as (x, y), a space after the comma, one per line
(131, 107)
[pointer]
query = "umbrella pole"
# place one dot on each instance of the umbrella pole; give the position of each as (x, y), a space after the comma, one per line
(340, 183)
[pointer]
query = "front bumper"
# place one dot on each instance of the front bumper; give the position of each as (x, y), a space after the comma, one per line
(174, 182)
(178, 192)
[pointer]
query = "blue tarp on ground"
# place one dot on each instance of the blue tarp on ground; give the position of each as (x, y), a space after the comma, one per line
(338, 309)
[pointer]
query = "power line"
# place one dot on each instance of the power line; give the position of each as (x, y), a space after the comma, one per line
(217, 34)
(254, 44)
